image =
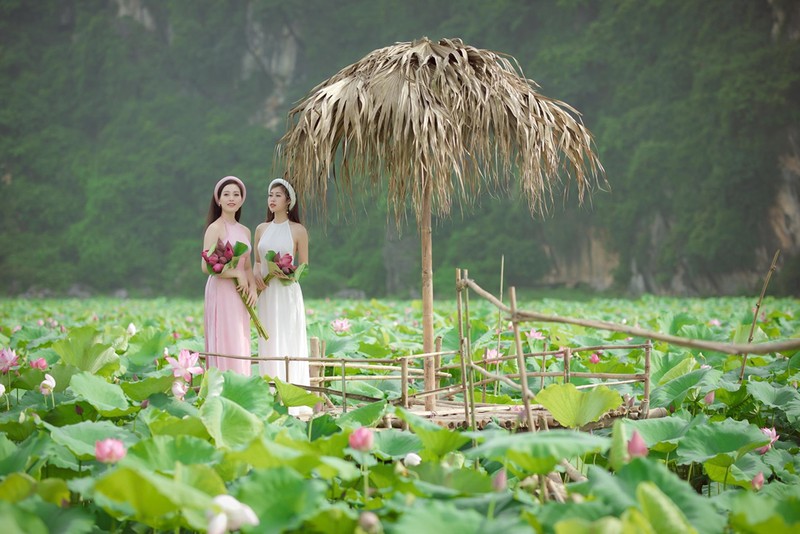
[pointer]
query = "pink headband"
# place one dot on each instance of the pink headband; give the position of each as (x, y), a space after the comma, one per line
(229, 178)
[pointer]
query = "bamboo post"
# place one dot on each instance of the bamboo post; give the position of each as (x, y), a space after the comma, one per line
(404, 382)
(523, 372)
(500, 317)
(758, 308)
(437, 360)
(468, 343)
(567, 358)
(427, 288)
(645, 406)
(461, 348)
(315, 369)
(344, 387)
(286, 368)
(485, 366)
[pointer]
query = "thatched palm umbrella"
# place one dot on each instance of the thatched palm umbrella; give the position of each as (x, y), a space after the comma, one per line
(435, 118)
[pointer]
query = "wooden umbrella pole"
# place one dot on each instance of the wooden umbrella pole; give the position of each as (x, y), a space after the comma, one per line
(758, 308)
(427, 289)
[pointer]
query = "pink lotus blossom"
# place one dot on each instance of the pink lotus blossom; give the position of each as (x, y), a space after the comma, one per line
(284, 262)
(48, 385)
(705, 366)
(773, 437)
(109, 451)
(8, 360)
(715, 322)
(16, 329)
(179, 389)
(535, 334)
(39, 363)
(186, 365)
(594, 358)
(629, 338)
(2, 390)
(492, 356)
(709, 398)
(758, 481)
(227, 514)
(340, 325)
(361, 439)
(637, 446)
(40, 322)
(189, 319)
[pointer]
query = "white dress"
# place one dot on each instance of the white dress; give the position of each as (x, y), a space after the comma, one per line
(283, 314)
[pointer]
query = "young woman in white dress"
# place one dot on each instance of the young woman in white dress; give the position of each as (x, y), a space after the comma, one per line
(280, 306)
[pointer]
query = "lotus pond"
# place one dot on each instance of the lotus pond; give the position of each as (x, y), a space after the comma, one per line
(96, 437)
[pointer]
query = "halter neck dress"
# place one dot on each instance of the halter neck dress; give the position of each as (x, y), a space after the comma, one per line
(283, 314)
(227, 323)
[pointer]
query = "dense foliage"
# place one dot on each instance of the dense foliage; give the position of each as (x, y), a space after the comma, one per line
(84, 372)
(114, 128)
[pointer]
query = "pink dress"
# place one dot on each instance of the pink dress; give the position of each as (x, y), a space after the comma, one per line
(227, 323)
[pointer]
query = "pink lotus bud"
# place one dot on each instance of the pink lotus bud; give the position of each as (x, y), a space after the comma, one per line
(222, 260)
(145, 403)
(773, 437)
(218, 267)
(179, 389)
(48, 385)
(361, 439)
(758, 481)
(40, 322)
(109, 451)
(709, 398)
(594, 358)
(213, 259)
(39, 363)
(500, 480)
(715, 322)
(204, 255)
(78, 409)
(228, 252)
(318, 408)
(637, 446)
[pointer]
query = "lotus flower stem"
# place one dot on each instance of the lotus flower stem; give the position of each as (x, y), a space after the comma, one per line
(758, 307)
(254, 317)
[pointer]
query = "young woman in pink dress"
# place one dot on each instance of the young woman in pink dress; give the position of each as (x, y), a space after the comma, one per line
(227, 323)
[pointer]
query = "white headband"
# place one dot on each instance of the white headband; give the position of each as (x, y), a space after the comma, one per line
(289, 188)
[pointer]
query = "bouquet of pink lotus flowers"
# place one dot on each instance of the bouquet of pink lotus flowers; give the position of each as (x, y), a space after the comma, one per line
(282, 267)
(223, 257)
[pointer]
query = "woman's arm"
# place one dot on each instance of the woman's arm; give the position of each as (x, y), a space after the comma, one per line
(301, 244)
(259, 281)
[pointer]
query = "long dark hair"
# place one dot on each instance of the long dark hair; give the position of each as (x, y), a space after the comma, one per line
(215, 210)
(294, 213)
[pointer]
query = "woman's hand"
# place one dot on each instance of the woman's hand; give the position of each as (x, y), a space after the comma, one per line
(260, 285)
(252, 295)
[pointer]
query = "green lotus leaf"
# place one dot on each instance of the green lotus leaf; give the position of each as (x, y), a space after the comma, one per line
(250, 392)
(17, 487)
(163, 453)
(661, 434)
(107, 398)
(574, 408)
(231, 425)
(774, 397)
(162, 423)
(17, 520)
(740, 473)
(291, 498)
(661, 511)
(142, 389)
(721, 443)
(366, 415)
(147, 346)
(149, 497)
(619, 492)
(392, 444)
(82, 349)
(292, 395)
(436, 440)
(81, 438)
(675, 391)
(539, 452)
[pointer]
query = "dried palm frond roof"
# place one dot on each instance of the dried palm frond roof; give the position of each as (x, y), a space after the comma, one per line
(442, 115)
